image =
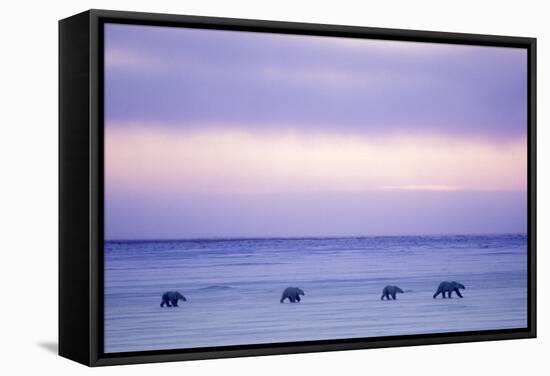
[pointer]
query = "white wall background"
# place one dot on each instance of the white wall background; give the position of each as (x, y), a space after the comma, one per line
(28, 189)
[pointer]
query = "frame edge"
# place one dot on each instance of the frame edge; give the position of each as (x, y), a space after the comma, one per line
(74, 250)
(94, 357)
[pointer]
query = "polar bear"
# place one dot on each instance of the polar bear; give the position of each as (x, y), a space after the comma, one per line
(170, 298)
(390, 291)
(292, 293)
(449, 287)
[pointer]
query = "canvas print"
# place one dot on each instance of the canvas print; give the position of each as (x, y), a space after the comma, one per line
(265, 188)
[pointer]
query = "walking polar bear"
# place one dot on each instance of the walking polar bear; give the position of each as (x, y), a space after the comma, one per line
(292, 294)
(170, 298)
(449, 287)
(390, 291)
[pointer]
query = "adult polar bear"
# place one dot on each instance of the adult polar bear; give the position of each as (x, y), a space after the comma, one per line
(449, 287)
(390, 291)
(170, 299)
(292, 294)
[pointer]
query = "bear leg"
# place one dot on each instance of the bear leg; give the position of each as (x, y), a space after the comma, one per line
(458, 293)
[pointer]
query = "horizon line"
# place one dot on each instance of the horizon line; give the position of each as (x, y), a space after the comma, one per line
(305, 237)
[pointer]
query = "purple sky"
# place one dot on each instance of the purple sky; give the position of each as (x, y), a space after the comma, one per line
(203, 129)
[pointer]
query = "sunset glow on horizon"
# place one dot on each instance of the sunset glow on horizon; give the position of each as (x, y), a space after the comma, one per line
(232, 161)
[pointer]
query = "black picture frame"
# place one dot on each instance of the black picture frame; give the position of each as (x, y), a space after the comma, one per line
(81, 186)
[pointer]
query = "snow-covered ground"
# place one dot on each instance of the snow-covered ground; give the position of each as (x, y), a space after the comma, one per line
(233, 289)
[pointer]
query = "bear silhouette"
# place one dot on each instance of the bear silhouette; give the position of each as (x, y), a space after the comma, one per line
(292, 294)
(449, 287)
(390, 291)
(170, 298)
